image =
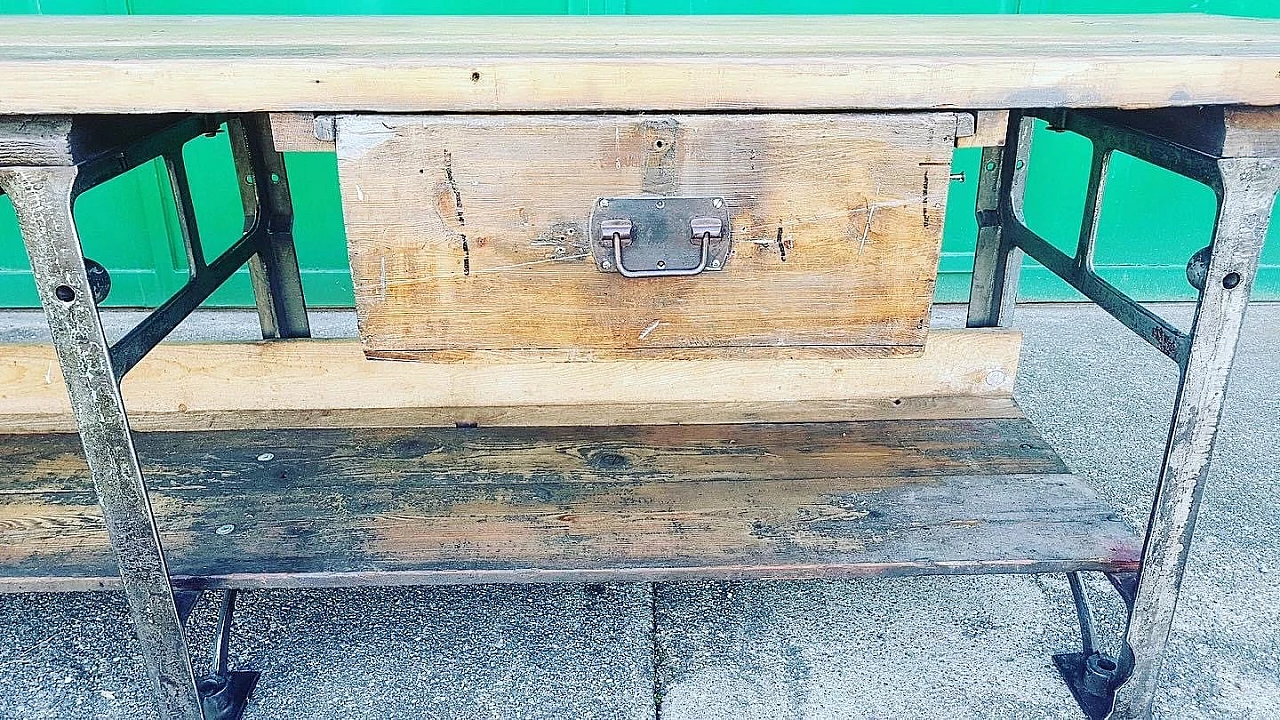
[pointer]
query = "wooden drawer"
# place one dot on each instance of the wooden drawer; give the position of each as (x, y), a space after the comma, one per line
(470, 234)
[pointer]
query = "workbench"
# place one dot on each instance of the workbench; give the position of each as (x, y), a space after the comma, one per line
(640, 299)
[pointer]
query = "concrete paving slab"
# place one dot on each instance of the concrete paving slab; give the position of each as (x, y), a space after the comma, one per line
(454, 653)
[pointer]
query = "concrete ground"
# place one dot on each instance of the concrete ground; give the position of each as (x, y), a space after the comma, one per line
(917, 648)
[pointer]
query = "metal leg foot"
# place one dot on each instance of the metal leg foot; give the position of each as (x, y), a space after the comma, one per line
(1091, 680)
(42, 198)
(1091, 675)
(224, 694)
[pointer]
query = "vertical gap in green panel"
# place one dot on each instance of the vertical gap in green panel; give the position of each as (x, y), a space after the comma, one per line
(175, 273)
(318, 229)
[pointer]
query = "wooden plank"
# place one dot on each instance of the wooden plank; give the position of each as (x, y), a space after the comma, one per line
(154, 64)
(329, 383)
(389, 506)
(470, 233)
(296, 132)
(989, 128)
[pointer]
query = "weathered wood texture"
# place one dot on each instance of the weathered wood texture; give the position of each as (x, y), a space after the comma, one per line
(470, 233)
(388, 506)
(317, 383)
(988, 130)
(424, 64)
(296, 132)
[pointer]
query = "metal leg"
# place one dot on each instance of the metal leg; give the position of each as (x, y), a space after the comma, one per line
(1224, 274)
(42, 198)
(997, 262)
(1248, 192)
(264, 190)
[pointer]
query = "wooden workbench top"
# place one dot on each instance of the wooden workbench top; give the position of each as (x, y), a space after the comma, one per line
(134, 64)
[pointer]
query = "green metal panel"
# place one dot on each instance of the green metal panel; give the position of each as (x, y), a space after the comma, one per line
(1151, 222)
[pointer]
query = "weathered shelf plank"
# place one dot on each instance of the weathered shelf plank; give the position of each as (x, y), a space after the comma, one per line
(397, 64)
(274, 508)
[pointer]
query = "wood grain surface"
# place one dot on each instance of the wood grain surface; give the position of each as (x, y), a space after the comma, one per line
(423, 64)
(276, 508)
(469, 233)
(329, 383)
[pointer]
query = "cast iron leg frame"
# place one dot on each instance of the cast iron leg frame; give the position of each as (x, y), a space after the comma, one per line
(43, 194)
(264, 190)
(1223, 272)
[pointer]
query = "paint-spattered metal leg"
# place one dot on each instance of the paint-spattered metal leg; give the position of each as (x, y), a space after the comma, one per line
(42, 198)
(997, 262)
(264, 190)
(1247, 196)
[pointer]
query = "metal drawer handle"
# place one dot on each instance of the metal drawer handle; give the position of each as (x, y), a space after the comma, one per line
(643, 237)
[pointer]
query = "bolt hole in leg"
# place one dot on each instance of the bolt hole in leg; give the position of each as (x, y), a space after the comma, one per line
(65, 293)
(1231, 280)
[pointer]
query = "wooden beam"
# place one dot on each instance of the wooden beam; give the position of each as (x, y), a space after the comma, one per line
(319, 383)
(296, 132)
(987, 128)
(132, 64)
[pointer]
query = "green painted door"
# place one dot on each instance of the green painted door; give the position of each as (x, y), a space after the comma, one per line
(1152, 221)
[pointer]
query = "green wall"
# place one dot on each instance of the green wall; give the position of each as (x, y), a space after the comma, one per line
(1152, 221)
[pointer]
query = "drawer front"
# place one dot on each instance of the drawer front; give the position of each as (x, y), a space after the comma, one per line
(472, 235)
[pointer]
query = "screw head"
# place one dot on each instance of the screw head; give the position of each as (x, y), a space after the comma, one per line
(606, 264)
(266, 457)
(660, 204)
(715, 264)
(604, 202)
(225, 529)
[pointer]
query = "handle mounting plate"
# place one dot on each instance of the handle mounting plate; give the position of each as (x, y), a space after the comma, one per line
(660, 236)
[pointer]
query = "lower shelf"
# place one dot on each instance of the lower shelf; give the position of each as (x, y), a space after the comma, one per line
(291, 508)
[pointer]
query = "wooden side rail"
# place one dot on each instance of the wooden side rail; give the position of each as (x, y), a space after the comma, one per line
(329, 383)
